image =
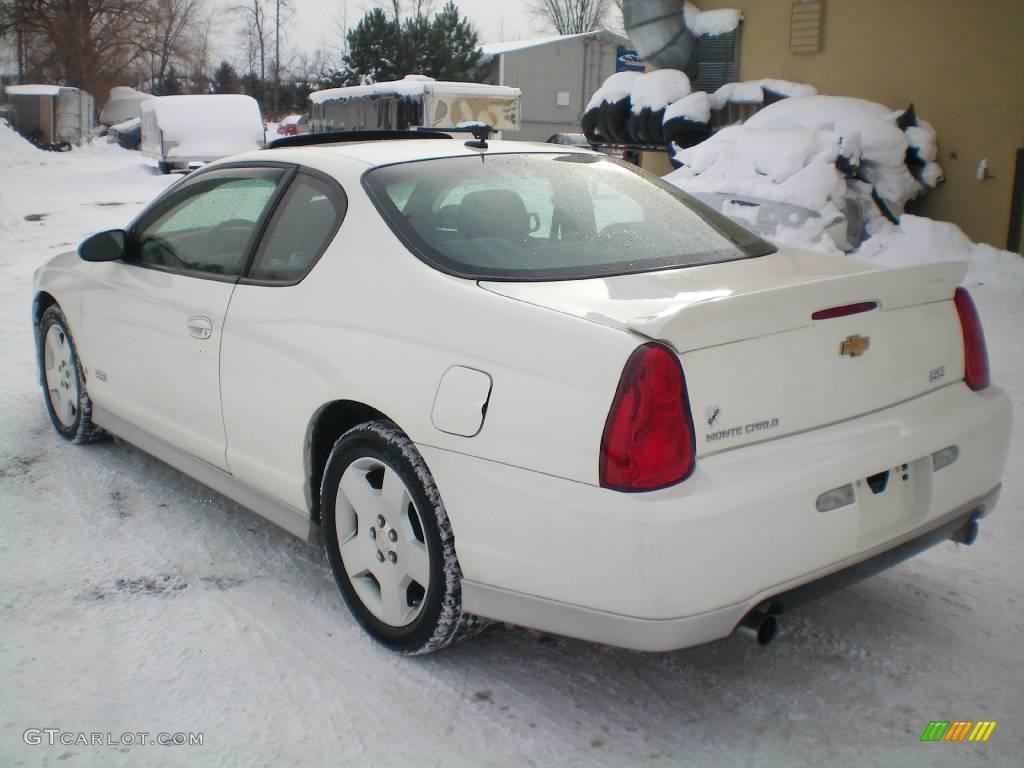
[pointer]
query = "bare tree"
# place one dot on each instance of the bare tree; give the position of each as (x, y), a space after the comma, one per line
(91, 44)
(280, 6)
(254, 35)
(174, 32)
(570, 17)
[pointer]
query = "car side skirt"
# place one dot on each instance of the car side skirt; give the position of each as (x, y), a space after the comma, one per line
(290, 519)
(672, 634)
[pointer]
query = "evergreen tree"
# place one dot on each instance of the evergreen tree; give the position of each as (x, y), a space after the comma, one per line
(454, 45)
(226, 80)
(445, 48)
(169, 84)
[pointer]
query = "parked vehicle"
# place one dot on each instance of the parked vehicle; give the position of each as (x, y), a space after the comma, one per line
(529, 383)
(178, 131)
(127, 134)
(580, 140)
(293, 125)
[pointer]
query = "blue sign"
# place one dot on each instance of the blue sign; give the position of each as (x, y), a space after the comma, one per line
(628, 60)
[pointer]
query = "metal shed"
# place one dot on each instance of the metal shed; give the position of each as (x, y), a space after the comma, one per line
(52, 113)
(557, 75)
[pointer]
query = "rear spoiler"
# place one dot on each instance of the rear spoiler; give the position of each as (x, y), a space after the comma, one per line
(740, 316)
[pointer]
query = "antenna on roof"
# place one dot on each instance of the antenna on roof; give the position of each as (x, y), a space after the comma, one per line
(481, 132)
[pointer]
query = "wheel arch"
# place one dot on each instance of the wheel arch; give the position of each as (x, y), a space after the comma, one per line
(330, 422)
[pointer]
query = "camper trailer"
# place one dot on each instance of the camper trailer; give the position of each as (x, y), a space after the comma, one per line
(415, 102)
(179, 131)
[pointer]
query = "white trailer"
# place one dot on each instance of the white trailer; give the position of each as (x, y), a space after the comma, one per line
(181, 130)
(415, 102)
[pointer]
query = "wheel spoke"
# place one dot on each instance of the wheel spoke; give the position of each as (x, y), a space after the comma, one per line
(360, 494)
(394, 606)
(357, 554)
(394, 496)
(413, 562)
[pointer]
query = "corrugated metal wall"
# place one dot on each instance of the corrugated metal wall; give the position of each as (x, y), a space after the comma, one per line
(576, 67)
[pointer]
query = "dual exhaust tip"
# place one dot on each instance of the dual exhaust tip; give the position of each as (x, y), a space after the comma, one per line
(761, 624)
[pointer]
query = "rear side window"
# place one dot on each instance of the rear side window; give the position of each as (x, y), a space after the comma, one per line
(547, 216)
(301, 229)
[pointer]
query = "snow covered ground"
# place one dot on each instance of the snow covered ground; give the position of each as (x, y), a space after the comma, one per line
(133, 599)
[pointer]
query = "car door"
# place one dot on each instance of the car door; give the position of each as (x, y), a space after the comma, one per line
(154, 319)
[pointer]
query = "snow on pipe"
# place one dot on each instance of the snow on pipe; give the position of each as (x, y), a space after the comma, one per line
(658, 30)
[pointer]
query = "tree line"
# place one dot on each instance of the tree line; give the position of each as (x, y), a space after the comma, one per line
(164, 46)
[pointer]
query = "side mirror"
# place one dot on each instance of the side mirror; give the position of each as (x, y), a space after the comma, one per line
(104, 246)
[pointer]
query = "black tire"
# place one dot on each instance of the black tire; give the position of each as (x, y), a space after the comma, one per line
(80, 428)
(165, 168)
(441, 622)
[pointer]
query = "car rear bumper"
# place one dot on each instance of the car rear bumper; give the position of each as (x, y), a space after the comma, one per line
(683, 565)
(671, 634)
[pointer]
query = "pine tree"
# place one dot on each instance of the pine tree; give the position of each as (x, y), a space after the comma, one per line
(454, 45)
(445, 48)
(169, 84)
(226, 80)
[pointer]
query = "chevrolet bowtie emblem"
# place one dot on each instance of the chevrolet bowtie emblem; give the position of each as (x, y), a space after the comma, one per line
(854, 346)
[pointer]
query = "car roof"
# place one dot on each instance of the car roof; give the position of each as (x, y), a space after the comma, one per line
(385, 152)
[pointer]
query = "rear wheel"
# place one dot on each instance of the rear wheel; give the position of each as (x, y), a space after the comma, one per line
(63, 380)
(390, 544)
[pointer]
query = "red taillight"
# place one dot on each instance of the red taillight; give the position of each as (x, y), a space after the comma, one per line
(648, 440)
(975, 353)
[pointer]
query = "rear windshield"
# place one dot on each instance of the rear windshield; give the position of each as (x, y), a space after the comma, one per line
(549, 217)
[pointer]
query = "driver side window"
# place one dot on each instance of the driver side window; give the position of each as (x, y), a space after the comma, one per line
(208, 225)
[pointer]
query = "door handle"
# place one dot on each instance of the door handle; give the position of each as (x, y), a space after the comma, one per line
(200, 327)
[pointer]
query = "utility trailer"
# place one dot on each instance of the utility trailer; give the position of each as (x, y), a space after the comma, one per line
(415, 102)
(178, 131)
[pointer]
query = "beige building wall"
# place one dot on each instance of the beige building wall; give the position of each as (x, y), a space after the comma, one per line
(960, 63)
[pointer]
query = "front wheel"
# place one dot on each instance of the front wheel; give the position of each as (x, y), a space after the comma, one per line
(63, 380)
(390, 544)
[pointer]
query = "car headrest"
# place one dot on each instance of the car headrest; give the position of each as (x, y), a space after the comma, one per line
(494, 213)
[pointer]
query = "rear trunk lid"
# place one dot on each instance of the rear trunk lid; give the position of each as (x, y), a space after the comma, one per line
(757, 365)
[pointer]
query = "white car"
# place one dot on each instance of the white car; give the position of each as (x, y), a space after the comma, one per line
(528, 383)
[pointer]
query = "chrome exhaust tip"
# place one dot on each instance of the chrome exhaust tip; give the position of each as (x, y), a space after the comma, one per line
(760, 626)
(968, 534)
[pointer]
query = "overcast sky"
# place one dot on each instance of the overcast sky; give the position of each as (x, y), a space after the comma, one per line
(313, 22)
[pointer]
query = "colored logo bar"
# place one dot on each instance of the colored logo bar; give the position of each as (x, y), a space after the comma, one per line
(958, 730)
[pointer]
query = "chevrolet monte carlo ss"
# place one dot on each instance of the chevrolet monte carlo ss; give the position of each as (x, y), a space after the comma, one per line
(528, 383)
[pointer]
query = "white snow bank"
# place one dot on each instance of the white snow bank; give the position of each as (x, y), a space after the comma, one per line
(919, 240)
(695, 107)
(412, 86)
(615, 88)
(16, 149)
(717, 22)
(752, 91)
(656, 90)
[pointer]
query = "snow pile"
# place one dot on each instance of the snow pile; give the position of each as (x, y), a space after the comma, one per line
(753, 91)
(695, 107)
(616, 88)
(15, 149)
(412, 86)
(718, 22)
(837, 156)
(656, 90)
(919, 240)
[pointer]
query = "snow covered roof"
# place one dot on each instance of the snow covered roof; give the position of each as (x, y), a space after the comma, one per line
(490, 50)
(33, 89)
(414, 85)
